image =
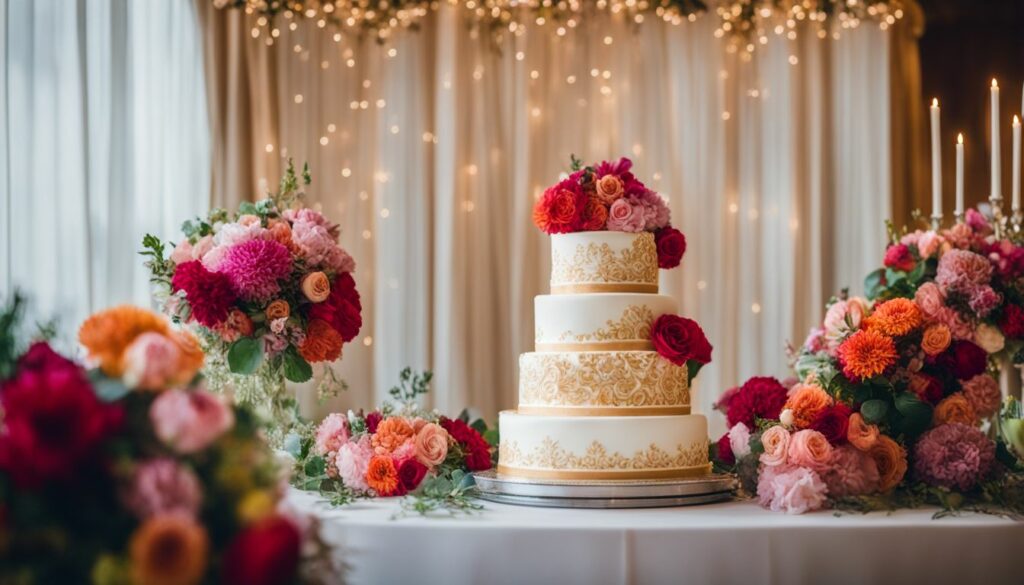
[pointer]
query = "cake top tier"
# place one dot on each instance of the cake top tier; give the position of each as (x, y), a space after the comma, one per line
(585, 262)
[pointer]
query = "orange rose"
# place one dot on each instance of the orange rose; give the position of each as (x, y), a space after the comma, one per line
(391, 434)
(431, 445)
(191, 360)
(891, 461)
(316, 287)
(278, 309)
(322, 343)
(281, 233)
(249, 220)
(860, 433)
(807, 401)
(954, 409)
(107, 334)
(169, 549)
(608, 188)
(382, 476)
(936, 339)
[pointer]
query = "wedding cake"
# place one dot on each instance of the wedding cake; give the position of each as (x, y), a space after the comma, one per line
(605, 395)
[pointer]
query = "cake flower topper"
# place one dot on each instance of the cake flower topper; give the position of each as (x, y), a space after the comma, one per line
(607, 197)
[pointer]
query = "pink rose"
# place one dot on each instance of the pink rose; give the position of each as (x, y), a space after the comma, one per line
(248, 220)
(776, 446)
(623, 217)
(793, 490)
(151, 362)
(929, 299)
(204, 245)
(809, 448)
(332, 433)
(844, 317)
(929, 244)
(190, 421)
(431, 444)
(352, 461)
(182, 252)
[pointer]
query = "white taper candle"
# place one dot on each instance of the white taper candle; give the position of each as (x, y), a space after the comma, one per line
(994, 193)
(936, 163)
(960, 175)
(1015, 164)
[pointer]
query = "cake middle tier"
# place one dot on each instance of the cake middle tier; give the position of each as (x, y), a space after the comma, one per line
(598, 321)
(602, 383)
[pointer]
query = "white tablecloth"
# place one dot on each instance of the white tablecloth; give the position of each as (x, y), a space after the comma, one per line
(734, 542)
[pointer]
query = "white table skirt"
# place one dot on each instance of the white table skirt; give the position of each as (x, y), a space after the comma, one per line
(735, 542)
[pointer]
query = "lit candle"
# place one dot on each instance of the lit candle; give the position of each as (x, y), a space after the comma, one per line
(1016, 164)
(994, 194)
(936, 164)
(960, 176)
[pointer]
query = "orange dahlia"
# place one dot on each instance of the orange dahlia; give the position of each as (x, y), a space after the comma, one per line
(895, 318)
(322, 343)
(169, 549)
(107, 334)
(382, 476)
(866, 353)
(391, 434)
(807, 401)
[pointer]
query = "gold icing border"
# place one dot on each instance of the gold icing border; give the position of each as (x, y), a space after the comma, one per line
(591, 287)
(550, 459)
(603, 410)
(595, 346)
(683, 472)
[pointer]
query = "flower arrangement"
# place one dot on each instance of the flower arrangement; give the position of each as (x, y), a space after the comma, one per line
(269, 291)
(894, 393)
(131, 472)
(394, 451)
(607, 196)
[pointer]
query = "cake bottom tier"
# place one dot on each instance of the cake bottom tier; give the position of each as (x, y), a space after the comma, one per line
(603, 447)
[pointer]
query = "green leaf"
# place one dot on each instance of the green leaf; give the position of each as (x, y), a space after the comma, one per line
(874, 411)
(917, 273)
(315, 466)
(873, 283)
(693, 368)
(492, 437)
(296, 368)
(479, 425)
(245, 355)
(916, 415)
(247, 208)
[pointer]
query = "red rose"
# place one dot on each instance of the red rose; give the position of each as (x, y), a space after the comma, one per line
(372, 420)
(963, 359)
(671, 245)
(560, 210)
(1012, 322)
(927, 388)
(759, 397)
(477, 453)
(898, 257)
(679, 340)
(342, 308)
(209, 294)
(595, 216)
(410, 473)
(53, 422)
(724, 452)
(833, 422)
(264, 553)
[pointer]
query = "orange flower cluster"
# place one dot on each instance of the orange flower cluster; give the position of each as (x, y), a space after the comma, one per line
(807, 401)
(382, 475)
(322, 343)
(169, 549)
(867, 353)
(895, 318)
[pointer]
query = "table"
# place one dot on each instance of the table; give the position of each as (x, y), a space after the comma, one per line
(732, 542)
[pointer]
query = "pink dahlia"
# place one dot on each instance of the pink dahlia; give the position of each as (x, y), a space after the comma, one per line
(255, 267)
(161, 486)
(983, 392)
(655, 211)
(317, 242)
(332, 433)
(850, 472)
(209, 294)
(954, 456)
(963, 271)
(790, 489)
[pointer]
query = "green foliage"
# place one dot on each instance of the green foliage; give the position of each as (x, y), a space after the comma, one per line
(448, 495)
(11, 315)
(575, 164)
(875, 410)
(915, 415)
(245, 355)
(692, 369)
(411, 385)
(160, 268)
(296, 368)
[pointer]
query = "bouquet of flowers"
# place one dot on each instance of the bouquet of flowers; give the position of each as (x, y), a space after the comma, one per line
(893, 394)
(131, 472)
(607, 196)
(394, 451)
(269, 291)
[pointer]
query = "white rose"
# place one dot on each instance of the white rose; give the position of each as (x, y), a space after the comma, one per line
(989, 338)
(786, 417)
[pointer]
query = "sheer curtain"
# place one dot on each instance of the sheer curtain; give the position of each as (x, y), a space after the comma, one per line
(106, 139)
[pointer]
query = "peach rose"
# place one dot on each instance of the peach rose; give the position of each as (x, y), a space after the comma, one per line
(281, 233)
(776, 446)
(316, 287)
(608, 189)
(860, 433)
(929, 244)
(182, 252)
(278, 309)
(151, 362)
(954, 408)
(807, 401)
(249, 220)
(929, 299)
(391, 434)
(936, 339)
(891, 461)
(431, 444)
(809, 448)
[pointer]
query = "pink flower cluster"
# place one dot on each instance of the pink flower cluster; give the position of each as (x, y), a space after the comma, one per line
(954, 456)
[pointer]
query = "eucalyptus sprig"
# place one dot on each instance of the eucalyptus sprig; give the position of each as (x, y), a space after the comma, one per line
(442, 495)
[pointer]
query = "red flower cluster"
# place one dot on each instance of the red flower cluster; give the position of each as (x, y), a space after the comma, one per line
(724, 451)
(53, 422)
(759, 397)
(898, 257)
(265, 553)
(372, 420)
(833, 422)
(562, 208)
(680, 340)
(964, 359)
(671, 245)
(342, 308)
(478, 452)
(1012, 322)
(210, 294)
(410, 474)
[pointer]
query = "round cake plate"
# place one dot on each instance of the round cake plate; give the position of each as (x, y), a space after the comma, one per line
(604, 493)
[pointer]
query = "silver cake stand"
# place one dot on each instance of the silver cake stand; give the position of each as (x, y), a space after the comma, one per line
(636, 493)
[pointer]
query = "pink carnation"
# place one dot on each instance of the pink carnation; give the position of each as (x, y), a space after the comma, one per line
(255, 268)
(983, 392)
(954, 456)
(850, 472)
(977, 222)
(815, 341)
(959, 236)
(332, 433)
(789, 489)
(625, 216)
(161, 486)
(317, 242)
(655, 211)
(984, 300)
(353, 460)
(189, 421)
(963, 271)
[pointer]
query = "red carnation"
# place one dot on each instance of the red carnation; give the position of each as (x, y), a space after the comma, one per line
(671, 245)
(759, 397)
(372, 420)
(833, 422)
(898, 257)
(477, 451)
(560, 210)
(342, 309)
(679, 340)
(963, 359)
(210, 294)
(264, 553)
(1012, 322)
(53, 422)
(410, 473)
(724, 451)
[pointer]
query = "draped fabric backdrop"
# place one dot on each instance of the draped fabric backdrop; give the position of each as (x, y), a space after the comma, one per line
(430, 151)
(106, 139)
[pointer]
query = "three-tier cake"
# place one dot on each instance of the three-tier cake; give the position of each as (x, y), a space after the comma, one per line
(605, 395)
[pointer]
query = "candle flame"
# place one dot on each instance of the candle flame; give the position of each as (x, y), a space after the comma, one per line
(959, 138)
(1016, 120)
(935, 102)
(995, 84)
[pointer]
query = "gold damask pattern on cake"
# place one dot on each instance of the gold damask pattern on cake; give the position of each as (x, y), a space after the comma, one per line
(634, 323)
(602, 379)
(598, 263)
(550, 455)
